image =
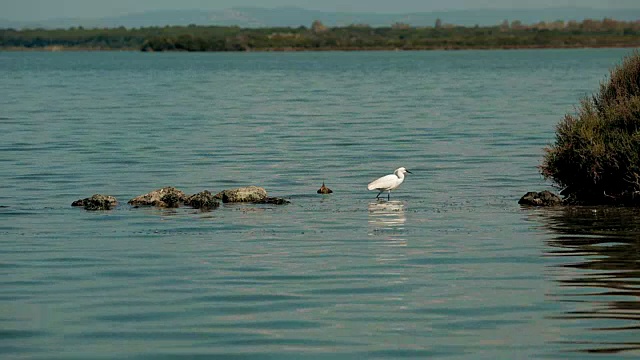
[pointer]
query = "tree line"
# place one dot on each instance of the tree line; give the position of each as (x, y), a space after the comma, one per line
(514, 34)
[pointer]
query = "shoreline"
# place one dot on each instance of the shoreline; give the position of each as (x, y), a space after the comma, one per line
(328, 49)
(607, 33)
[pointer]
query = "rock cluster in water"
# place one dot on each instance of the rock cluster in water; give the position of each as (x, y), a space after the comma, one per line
(170, 197)
(543, 198)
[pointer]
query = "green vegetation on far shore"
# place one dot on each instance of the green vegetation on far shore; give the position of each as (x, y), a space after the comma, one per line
(559, 34)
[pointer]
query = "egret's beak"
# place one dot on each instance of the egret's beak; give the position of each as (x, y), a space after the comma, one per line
(409, 172)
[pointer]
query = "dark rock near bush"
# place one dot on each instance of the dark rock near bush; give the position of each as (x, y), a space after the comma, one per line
(252, 194)
(168, 197)
(324, 190)
(543, 198)
(97, 202)
(203, 200)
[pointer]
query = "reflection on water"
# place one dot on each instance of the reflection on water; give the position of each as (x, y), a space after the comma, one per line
(599, 275)
(387, 219)
(387, 215)
(387, 228)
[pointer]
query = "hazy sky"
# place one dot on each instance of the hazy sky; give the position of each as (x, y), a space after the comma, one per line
(28, 10)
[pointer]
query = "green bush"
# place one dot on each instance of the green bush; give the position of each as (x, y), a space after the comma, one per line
(596, 155)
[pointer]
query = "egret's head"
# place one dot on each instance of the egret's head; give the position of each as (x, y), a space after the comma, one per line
(402, 170)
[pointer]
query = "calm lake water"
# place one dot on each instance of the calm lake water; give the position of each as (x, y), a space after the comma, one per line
(451, 267)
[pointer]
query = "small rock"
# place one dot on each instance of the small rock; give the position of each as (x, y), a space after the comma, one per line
(97, 202)
(168, 197)
(253, 194)
(324, 189)
(203, 200)
(543, 198)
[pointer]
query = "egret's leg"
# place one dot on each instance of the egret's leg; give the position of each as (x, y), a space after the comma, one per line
(377, 196)
(389, 195)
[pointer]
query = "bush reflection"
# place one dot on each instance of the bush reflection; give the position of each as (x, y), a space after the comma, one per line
(599, 274)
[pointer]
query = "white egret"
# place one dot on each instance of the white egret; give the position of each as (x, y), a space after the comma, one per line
(388, 182)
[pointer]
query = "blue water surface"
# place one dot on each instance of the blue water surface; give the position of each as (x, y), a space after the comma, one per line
(451, 267)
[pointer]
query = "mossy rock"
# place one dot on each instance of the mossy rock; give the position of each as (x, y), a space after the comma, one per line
(250, 194)
(97, 202)
(167, 197)
(203, 200)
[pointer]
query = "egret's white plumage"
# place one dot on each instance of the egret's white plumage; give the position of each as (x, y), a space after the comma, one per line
(388, 182)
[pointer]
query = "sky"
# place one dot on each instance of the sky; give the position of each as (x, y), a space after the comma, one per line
(33, 10)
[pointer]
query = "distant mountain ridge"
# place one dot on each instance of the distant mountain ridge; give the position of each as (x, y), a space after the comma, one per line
(252, 17)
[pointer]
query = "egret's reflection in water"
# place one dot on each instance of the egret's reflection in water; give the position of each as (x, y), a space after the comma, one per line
(387, 219)
(387, 214)
(387, 231)
(599, 276)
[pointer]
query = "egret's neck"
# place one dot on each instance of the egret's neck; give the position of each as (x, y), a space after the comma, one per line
(400, 174)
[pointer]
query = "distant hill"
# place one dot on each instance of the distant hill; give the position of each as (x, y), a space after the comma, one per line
(252, 17)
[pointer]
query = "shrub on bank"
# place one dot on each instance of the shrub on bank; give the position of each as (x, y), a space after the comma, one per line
(596, 155)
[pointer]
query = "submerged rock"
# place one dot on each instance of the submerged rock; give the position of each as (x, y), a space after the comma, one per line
(253, 194)
(203, 200)
(97, 202)
(324, 189)
(274, 201)
(168, 197)
(543, 198)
